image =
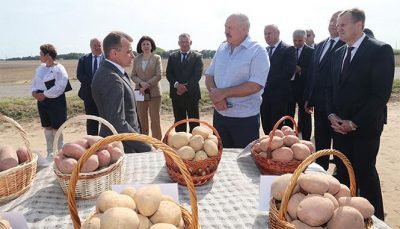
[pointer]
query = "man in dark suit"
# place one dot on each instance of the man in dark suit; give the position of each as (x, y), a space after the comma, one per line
(315, 89)
(298, 81)
(87, 66)
(361, 78)
(277, 90)
(184, 70)
(113, 92)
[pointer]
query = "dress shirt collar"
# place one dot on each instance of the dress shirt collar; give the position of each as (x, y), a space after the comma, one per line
(358, 42)
(120, 68)
(276, 44)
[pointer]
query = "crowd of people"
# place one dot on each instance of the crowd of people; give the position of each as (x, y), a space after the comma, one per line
(345, 81)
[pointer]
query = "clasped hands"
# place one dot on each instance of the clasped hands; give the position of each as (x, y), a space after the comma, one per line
(181, 88)
(143, 86)
(341, 126)
(38, 96)
(218, 98)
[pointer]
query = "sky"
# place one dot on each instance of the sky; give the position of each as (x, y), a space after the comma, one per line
(70, 24)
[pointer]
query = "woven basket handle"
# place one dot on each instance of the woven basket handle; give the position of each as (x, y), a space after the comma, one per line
(276, 126)
(165, 139)
(76, 119)
(21, 132)
(310, 159)
(130, 137)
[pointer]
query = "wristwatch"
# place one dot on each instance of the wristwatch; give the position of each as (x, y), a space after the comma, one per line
(352, 126)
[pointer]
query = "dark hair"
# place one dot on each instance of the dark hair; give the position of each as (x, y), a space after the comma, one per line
(356, 15)
(369, 33)
(145, 38)
(113, 41)
(49, 49)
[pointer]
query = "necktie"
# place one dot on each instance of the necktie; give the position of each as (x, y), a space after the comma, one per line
(270, 51)
(346, 65)
(95, 64)
(183, 57)
(297, 55)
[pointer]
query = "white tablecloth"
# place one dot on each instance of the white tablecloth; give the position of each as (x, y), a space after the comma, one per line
(229, 201)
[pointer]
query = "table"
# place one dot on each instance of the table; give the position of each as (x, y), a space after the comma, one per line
(230, 200)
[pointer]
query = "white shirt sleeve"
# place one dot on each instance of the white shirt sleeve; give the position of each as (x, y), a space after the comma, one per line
(61, 80)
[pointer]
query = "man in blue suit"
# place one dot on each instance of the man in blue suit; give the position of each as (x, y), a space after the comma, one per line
(87, 66)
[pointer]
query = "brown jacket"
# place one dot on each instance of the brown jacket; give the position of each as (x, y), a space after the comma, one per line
(151, 75)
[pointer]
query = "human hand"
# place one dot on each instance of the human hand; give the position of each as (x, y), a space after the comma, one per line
(141, 90)
(181, 89)
(336, 124)
(309, 109)
(144, 85)
(298, 70)
(221, 105)
(216, 95)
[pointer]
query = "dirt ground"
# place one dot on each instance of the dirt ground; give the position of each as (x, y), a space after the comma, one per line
(387, 162)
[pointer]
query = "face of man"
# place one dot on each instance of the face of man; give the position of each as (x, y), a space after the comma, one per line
(184, 43)
(298, 41)
(310, 38)
(332, 26)
(271, 35)
(235, 32)
(95, 46)
(124, 55)
(349, 31)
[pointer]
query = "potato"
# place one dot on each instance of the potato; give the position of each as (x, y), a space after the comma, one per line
(263, 154)
(287, 130)
(332, 198)
(180, 139)
(283, 154)
(186, 153)
(289, 140)
(67, 165)
(82, 142)
(257, 148)
(278, 133)
(90, 165)
(167, 198)
(211, 148)
(73, 150)
(119, 217)
(213, 138)
(58, 158)
(343, 192)
(264, 144)
(360, 203)
(92, 223)
(300, 151)
(148, 199)
(203, 131)
(144, 222)
(91, 140)
(277, 142)
(129, 191)
(346, 217)
(280, 184)
(111, 199)
(293, 203)
(200, 155)
(309, 144)
(22, 154)
(115, 154)
(163, 226)
(196, 142)
(8, 158)
(168, 212)
(169, 139)
(334, 185)
(300, 225)
(104, 158)
(315, 210)
(315, 183)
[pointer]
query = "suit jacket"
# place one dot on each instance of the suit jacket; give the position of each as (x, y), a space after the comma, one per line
(189, 72)
(151, 74)
(84, 73)
(114, 97)
(283, 65)
(318, 73)
(362, 96)
(300, 79)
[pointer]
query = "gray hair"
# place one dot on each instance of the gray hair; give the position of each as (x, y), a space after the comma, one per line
(299, 33)
(273, 26)
(184, 35)
(243, 20)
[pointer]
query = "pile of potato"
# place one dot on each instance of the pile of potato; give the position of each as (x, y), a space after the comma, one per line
(9, 157)
(67, 158)
(199, 145)
(4, 224)
(285, 146)
(136, 209)
(320, 201)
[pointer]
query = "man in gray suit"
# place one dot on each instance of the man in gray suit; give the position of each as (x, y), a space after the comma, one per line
(113, 92)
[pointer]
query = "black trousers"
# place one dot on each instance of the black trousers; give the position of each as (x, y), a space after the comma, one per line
(185, 107)
(237, 132)
(92, 126)
(304, 119)
(322, 133)
(362, 152)
(271, 112)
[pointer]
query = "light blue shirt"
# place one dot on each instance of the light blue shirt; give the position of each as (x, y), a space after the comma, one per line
(248, 62)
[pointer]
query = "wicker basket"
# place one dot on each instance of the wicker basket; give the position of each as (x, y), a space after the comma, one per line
(209, 165)
(191, 219)
(90, 185)
(15, 181)
(267, 165)
(277, 218)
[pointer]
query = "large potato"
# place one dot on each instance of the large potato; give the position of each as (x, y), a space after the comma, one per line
(22, 154)
(344, 191)
(67, 165)
(346, 217)
(315, 210)
(180, 139)
(73, 150)
(115, 154)
(211, 148)
(361, 204)
(111, 199)
(300, 151)
(91, 140)
(168, 212)
(82, 142)
(289, 140)
(92, 223)
(203, 131)
(264, 144)
(104, 158)
(333, 199)
(287, 130)
(212, 138)
(309, 144)
(119, 217)
(8, 158)
(315, 183)
(334, 185)
(91, 164)
(280, 184)
(277, 142)
(186, 153)
(196, 142)
(163, 226)
(283, 154)
(129, 191)
(278, 133)
(293, 203)
(200, 155)
(148, 199)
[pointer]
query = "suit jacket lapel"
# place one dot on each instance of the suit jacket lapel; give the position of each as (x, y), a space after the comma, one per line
(120, 74)
(356, 58)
